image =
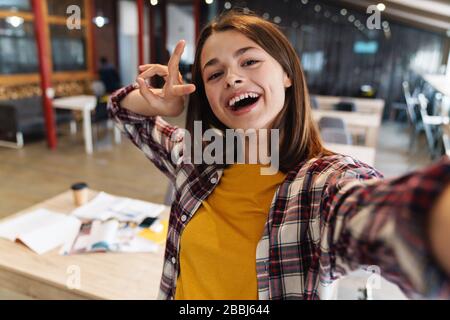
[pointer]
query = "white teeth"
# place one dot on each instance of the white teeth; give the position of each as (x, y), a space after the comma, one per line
(233, 101)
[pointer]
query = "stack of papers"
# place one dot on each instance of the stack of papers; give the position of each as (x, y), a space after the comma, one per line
(109, 236)
(111, 224)
(41, 230)
(105, 206)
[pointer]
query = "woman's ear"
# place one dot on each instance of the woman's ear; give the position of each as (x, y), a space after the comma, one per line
(286, 81)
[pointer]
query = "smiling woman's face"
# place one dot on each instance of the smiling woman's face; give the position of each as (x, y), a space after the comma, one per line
(244, 85)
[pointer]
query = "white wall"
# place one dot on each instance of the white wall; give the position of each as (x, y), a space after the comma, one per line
(128, 41)
(180, 25)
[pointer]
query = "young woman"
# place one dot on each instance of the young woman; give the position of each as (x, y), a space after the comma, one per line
(237, 234)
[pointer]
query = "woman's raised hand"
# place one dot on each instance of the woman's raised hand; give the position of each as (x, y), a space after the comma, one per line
(170, 100)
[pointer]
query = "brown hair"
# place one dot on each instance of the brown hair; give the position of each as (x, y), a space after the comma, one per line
(299, 137)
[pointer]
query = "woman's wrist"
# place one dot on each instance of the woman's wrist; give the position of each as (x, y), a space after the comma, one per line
(439, 230)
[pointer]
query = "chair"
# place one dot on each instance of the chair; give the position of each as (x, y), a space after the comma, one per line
(416, 127)
(431, 126)
(336, 135)
(396, 109)
(345, 106)
(100, 114)
(314, 103)
(331, 122)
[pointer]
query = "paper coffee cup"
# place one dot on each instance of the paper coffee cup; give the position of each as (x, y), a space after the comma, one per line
(80, 193)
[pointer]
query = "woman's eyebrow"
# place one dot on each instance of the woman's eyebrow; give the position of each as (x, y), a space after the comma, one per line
(235, 55)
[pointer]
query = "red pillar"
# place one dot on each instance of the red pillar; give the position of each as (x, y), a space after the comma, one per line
(151, 30)
(140, 8)
(166, 54)
(45, 72)
(92, 29)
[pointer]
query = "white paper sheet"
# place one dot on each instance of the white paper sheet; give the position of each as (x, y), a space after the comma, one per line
(41, 230)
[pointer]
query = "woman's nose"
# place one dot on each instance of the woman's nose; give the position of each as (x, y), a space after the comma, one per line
(233, 81)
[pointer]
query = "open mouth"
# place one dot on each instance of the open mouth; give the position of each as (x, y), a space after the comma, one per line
(244, 103)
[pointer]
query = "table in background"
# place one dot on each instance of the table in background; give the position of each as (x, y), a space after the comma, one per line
(85, 104)
(440, 82)
(103, 275)
(369, 122)
(363, 105)
(362, 153)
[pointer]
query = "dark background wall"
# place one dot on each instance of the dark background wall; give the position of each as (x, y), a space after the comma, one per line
(324, 39)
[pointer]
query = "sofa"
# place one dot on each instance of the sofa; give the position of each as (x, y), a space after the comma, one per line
(25, 117)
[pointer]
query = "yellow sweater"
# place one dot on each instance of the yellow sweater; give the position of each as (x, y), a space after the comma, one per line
(218, 246)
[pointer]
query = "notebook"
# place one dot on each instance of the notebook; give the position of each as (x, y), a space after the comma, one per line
(40, 230)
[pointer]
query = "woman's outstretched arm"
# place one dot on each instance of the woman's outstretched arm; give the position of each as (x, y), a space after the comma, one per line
(439, 230)
(401, 226)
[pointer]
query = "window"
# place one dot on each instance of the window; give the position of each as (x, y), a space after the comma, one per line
(18, 52)
(59, 7)
(68, 48)
(15, 5)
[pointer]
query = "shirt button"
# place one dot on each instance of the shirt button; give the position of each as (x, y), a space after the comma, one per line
(213, 180)
(174, 260)
(183, 218)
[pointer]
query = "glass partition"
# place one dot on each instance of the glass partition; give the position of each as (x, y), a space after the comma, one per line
(18, 52)
(68, 49)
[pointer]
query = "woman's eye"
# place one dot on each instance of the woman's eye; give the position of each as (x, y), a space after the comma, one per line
(213, 76)
(249, 62)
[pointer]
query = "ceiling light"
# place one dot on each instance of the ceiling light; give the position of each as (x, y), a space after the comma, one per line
(15, 21)
(100, 21)
(381, 7)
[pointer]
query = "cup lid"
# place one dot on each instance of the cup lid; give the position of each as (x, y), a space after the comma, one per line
(79, 186)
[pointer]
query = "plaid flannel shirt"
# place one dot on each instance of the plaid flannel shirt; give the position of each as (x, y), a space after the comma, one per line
(331, 215)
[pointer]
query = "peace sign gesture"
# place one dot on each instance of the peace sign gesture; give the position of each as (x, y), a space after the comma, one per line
(169, 100)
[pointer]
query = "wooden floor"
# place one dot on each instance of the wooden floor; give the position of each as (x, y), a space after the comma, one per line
(35, 173)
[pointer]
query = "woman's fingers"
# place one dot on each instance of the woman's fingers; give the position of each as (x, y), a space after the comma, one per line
(174, 62)
(144, 67)
(145, 92)
(155, 69)
(182, 89)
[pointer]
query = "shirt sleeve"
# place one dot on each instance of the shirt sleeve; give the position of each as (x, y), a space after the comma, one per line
(383, 224)
(161, 142)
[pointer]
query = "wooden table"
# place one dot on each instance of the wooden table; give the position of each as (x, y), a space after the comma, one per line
(363, 105)
(440, 82)
(362, 153)
(85, 104)
(102, 275)
(355, 121)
